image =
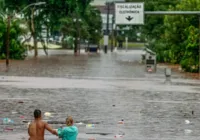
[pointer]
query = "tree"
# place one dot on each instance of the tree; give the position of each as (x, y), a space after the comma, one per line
(182, 34)
(53, 11)
(173, 37)
(17, 50)
(94, 21)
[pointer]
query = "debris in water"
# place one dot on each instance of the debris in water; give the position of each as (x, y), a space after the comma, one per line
(188, 131)
(150, 70)
(7, 121)
(187, 122)
(192, 112)
(22, 117)
(90, 126)
(121, 133)
(91, 139)
(47, 114)
(20, 102)
(118, 136)
(8, 129)
(80, 123)
(14, 112)
(113, 105)
(121, 122)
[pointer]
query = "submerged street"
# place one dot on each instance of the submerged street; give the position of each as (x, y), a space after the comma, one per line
(100, 89)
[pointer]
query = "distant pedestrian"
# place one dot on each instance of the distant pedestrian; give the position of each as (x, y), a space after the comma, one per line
(37, 127)
(69, 132)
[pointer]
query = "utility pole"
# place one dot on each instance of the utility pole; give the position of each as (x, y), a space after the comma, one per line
(112, 40)
(76, 38)
(8, 42)
(77, 48)
(106, 34)
(79, 37)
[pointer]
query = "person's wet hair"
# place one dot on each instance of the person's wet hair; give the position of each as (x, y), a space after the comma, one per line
(37, 113)
(69, 121)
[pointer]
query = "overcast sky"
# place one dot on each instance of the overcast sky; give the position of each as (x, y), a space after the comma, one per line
(102, 2)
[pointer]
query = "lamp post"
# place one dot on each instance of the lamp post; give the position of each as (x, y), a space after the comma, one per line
(8, 31)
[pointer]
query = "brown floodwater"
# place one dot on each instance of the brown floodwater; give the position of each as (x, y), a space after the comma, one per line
(100, 89)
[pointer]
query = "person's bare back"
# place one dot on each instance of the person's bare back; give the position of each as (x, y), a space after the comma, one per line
(37, 128)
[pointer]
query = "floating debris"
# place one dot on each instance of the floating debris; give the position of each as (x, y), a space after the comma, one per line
(188, 131)
(7, 121)
(150, 70)
(20, 102)
(79, 123)
(22, 117)
(99, 133)
(187, 122)
(90, 126)
(8, 129)
(121, 122)
(14, 112)
(47, 114)
(91, 139)
(118, 136)
(121, 133)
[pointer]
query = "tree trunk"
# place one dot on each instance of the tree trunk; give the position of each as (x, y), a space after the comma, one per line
(75, 46)
(44, 46)
(34, 33)
(8, 42)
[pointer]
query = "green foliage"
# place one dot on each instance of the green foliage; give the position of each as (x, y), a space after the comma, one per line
(173, 37)
(190, 59)
(17, 51)
(58, 16)
(94, 22)
(181, 35)
(87, 25)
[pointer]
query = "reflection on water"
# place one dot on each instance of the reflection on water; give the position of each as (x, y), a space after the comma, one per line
(94, 65)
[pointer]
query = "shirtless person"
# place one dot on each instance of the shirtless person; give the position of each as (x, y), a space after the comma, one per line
(37, 128)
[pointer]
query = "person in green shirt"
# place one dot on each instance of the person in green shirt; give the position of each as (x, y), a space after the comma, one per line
(69, 132)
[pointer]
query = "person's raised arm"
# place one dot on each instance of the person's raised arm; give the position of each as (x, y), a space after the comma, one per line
(47, 127)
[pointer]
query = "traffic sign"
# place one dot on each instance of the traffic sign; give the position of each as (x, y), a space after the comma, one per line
(129, 13)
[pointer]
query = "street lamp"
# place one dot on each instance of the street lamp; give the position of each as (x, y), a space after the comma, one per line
(8, 31)
(33, 4)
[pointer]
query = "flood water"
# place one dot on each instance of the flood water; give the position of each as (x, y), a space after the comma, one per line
(100, 89)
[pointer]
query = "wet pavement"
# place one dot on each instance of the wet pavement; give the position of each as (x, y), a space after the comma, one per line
(100, 89)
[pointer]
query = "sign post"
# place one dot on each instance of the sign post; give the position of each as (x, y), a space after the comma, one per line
(126, 43)
(129, 13)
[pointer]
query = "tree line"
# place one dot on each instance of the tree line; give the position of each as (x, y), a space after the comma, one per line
(70, 18)
(175, 38)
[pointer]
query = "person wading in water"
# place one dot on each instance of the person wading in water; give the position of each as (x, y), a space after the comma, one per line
(37, 128)
(69, 132)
